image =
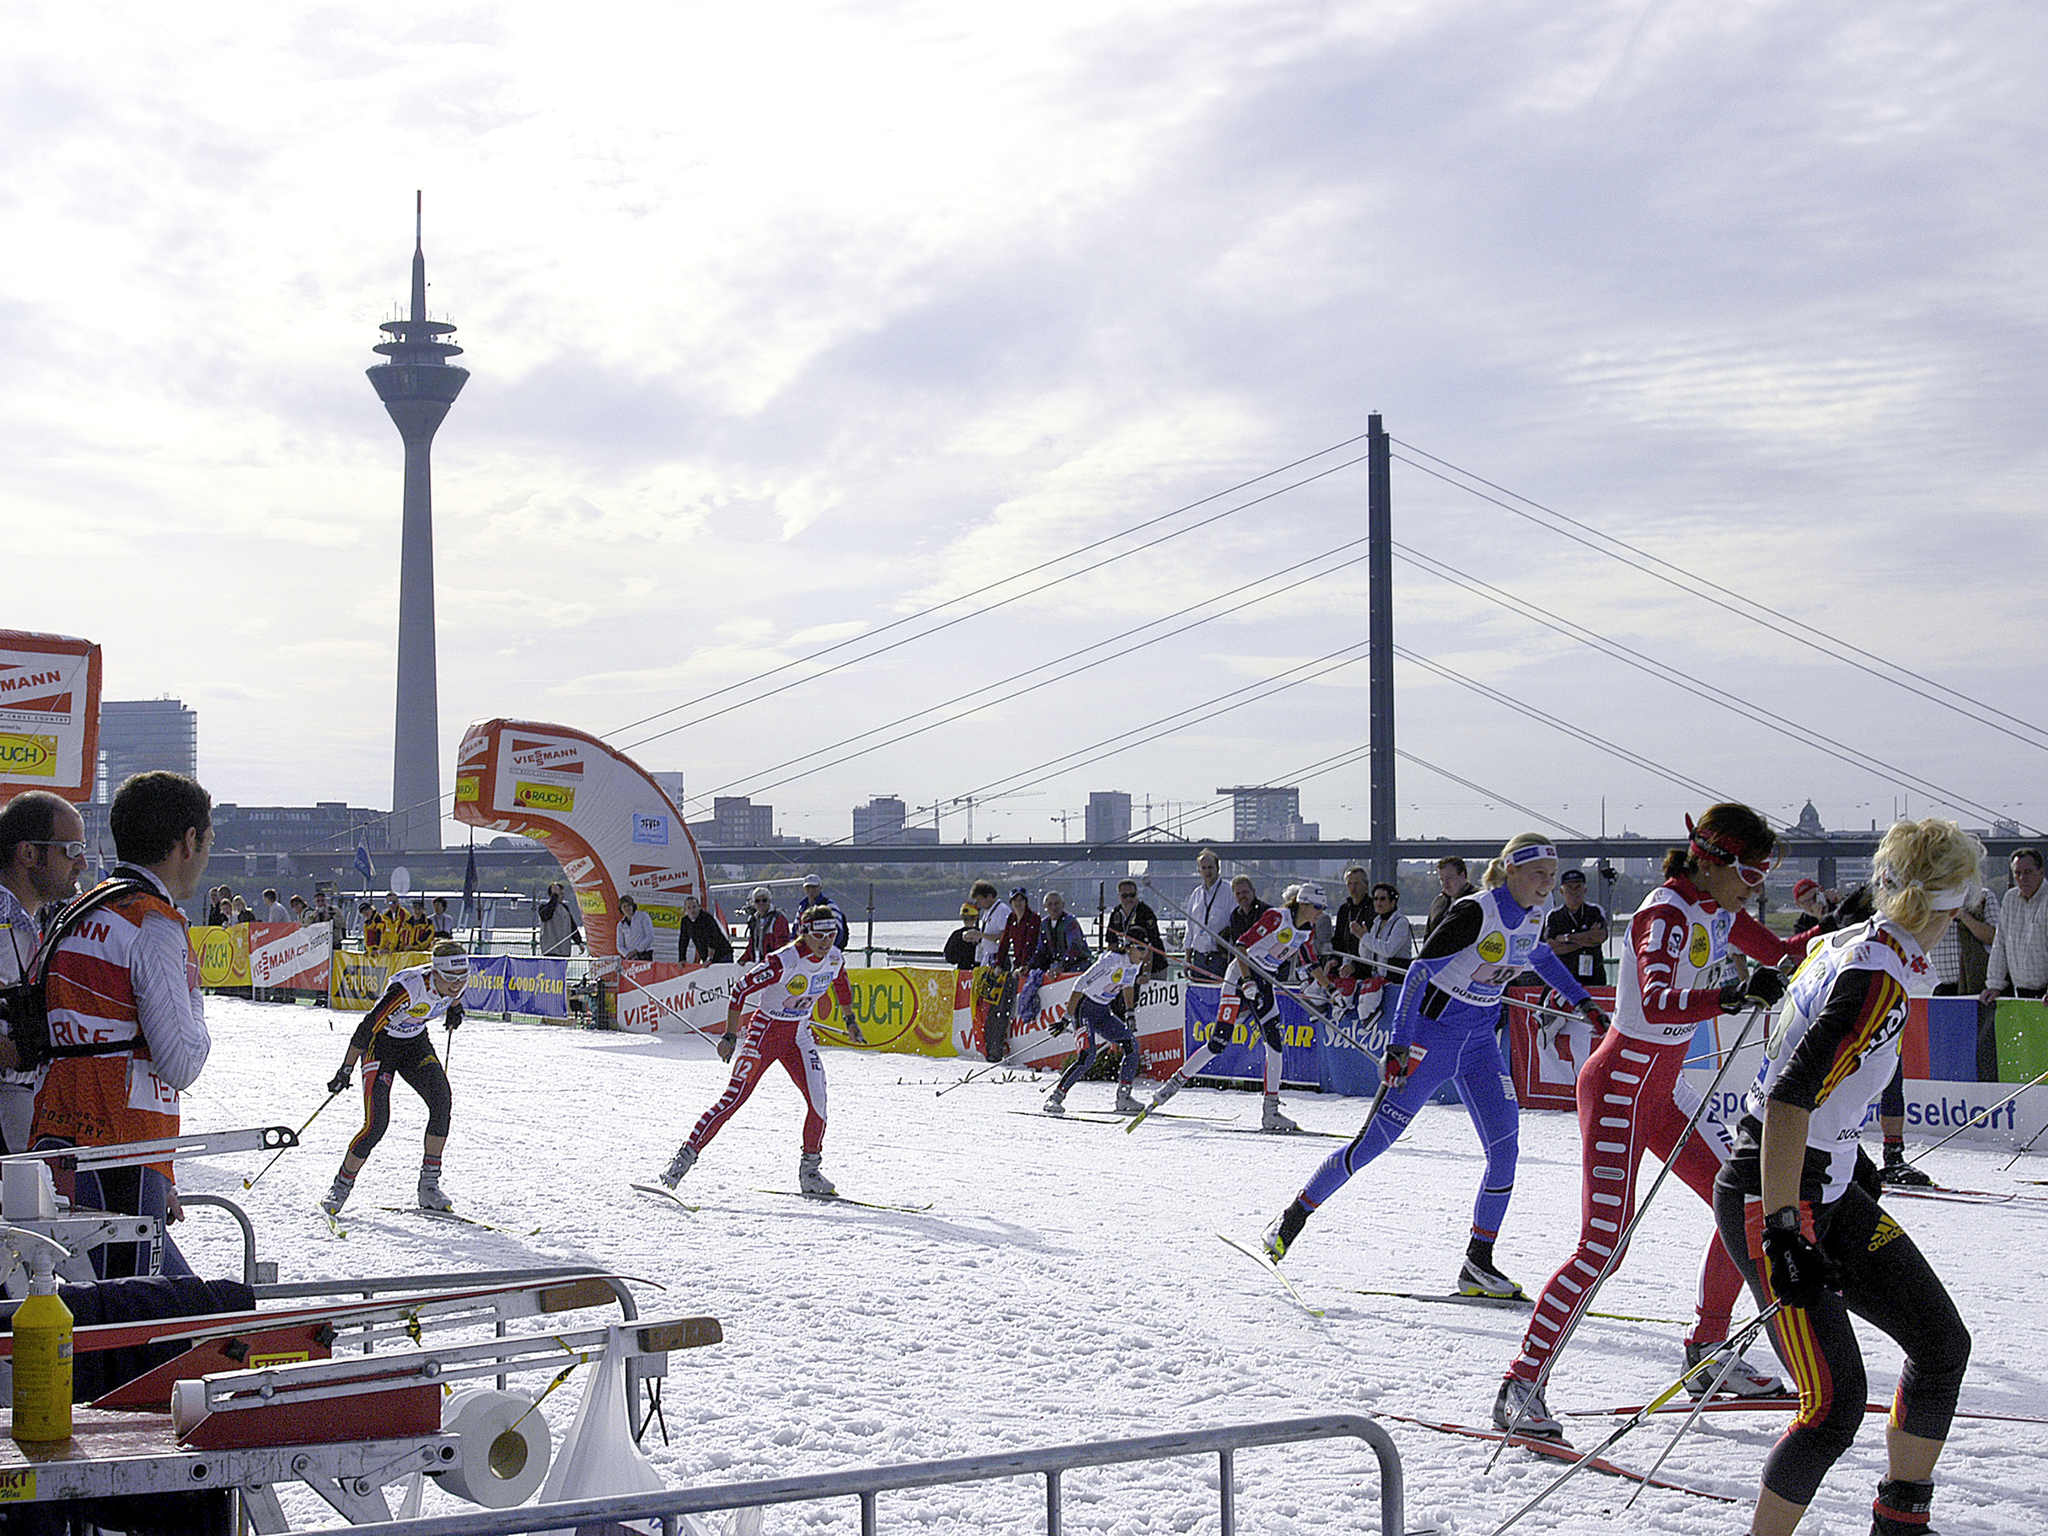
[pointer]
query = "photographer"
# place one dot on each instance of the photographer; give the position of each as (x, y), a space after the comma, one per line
(127, 977)
(558, 925)
(42, 854)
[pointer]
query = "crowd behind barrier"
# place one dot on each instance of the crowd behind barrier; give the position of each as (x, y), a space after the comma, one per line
(937, 1011)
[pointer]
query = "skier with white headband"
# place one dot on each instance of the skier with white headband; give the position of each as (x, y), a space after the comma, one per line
(392, 1041)
(1443, 1028)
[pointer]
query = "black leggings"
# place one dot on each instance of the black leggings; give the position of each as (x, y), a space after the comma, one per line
(1886, 1281)
(423, 1073)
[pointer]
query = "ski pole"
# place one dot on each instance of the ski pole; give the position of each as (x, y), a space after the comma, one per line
(1732, 1356)
(2029, 1144)
(2031, 1082)
(251, 1183)
(1613, 1259)
(1735, 1346)
(984, 1070)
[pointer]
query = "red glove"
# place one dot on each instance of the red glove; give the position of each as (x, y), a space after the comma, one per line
(1400, 1062)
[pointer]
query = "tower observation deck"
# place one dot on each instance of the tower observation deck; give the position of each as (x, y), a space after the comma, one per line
(417, 385)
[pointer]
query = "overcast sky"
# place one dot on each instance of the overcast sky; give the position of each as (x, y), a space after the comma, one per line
(787, 321)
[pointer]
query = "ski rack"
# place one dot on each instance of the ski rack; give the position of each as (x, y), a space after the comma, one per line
(866, 1484)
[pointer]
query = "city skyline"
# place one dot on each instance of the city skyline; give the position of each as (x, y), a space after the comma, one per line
(828, 342)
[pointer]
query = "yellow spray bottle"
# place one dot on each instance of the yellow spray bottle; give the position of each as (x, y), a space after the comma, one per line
(42, 1343)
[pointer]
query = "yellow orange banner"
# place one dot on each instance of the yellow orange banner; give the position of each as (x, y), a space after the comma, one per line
(223, 955)
(906, 1009)
(355, 980)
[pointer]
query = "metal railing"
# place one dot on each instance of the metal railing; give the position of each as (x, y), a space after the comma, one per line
(867, 1484)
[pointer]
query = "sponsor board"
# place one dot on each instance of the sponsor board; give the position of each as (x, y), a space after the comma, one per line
(544, 797)
(27, 756)
(49, 713)
(290, 955)
(222, 955)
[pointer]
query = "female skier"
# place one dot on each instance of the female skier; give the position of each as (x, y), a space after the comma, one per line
(1802, 1217)
(1110, 976)
(1633, 1098)
(785, 987)
(1444, 1027)
(390, 1041)
(1273, 947)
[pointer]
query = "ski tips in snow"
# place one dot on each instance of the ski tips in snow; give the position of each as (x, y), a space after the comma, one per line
(1259, 1257)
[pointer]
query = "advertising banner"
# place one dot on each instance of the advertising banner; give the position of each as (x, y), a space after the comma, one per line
(660, 997)
(1312, 1055)
(485, 990)
(223, 956)
(537, 986)
(49, 714)
(290, 956)
(608, 824)
(2022, 1040)
(906, 1009)
(1545, 1053)
(355, 981)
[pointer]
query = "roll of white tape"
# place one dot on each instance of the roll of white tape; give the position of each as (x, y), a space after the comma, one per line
(501, 1451)
(188, 1406)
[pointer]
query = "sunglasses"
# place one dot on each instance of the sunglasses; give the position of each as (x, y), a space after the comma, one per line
(74, 849)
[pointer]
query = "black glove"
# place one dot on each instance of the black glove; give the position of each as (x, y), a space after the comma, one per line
(1765, 988)
(453, 1018)
(727, 1044)
(1800, 1272)
(1062, 1024)
(1865, 1175)
(339, 1082)
(1593, 1014)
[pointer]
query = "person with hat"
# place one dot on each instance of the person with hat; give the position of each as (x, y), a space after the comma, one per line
(767, 929)
(814, 896)
(775, 999)
(1576, 930)
(392, 1041)
(960, 943)
(1812, 902)
(1276, 947)
(1443, 1028)
(1112, 975)
(1633, 1097)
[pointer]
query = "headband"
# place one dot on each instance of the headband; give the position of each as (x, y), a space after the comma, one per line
(1532, 851)
(1951, 898)
(451, 965)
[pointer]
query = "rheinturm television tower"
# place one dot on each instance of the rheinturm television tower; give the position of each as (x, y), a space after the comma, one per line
(417, 386)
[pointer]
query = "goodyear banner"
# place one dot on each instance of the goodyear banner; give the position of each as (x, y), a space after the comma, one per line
(49, 714)
(536, 986)
(223, 956)
(1311, 1053)
(289, 956)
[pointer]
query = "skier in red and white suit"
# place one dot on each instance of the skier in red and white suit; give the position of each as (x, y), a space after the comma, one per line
(783, 990)
(1634, 1099)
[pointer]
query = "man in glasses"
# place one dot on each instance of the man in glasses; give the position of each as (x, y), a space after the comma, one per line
(1131, 915)
(42, 854)
(767, 929)
(127, 978)
(1208, 909)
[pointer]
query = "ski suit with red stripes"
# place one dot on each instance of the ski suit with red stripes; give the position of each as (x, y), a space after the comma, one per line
(1633, 1099)
(783, 989)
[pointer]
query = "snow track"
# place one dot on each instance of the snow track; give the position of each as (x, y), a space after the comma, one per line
(1069, 1286)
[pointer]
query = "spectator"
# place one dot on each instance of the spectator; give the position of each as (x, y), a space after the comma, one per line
(1132, 915)
(1389, 943)
(128, 977)
(702, 939)
(1576, 929)
(274, 911)
(1247, 908)
(42, 854)
(1450, 874)
(994, 916)
(635, 937)
(241, 914)
(419, 928)
(1208, 908)
(1020, 934)
(1352, 926)
(558, 926)
(767, 929)
(1062, 946)
(2018, 960)
(1812, 902)
(219, 907)
(371, 928)
(962, 941)
(296, 910)
(814, 896)
(442, 925)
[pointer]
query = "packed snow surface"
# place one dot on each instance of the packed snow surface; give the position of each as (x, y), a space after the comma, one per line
(1067, 1284)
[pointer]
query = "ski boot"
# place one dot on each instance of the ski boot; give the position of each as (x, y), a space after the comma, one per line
(1271, 1119)
(1478, 1277)
(810, 1178)
(1055, 1104)
(1519, 1409)
(337, 1195)
(431, 1196)
(1901, 1174)
(1900, 1508)
(684, 1160)
(1285, 1229)
(1127, 1101)
(1742, 1380)
(1167, 1090)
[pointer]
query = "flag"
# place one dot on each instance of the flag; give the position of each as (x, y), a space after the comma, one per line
(469, 905)
(363, 865)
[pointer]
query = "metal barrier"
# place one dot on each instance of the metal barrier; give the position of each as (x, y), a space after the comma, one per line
(867, 1484)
